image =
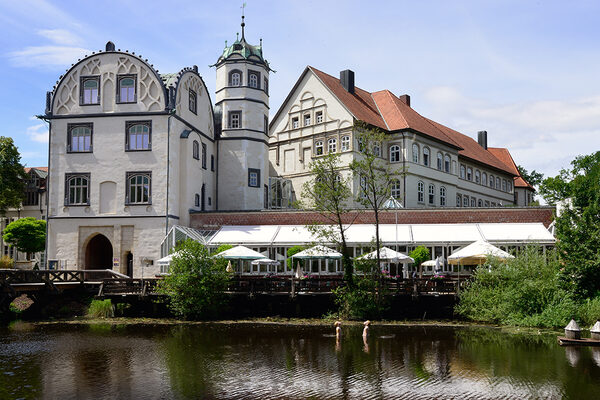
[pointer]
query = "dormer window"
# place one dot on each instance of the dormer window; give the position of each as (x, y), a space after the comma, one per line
(254, 79)
(90, 90)
(235, 78)
(126, 89)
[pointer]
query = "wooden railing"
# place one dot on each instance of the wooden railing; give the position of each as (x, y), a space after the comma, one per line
(10, 277)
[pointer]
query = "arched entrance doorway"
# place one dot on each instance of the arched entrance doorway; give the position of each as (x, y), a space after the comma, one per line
(98, 253)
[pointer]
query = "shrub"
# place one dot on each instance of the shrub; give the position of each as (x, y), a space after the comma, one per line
(222, 248)
(101, 309)
(291, 251)
(6, 262)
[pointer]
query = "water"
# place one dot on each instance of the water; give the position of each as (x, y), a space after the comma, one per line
(273, 362)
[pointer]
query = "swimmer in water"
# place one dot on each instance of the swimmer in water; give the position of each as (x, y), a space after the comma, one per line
(366, 330)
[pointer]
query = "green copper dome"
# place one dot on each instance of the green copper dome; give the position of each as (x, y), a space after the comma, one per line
(244, 49)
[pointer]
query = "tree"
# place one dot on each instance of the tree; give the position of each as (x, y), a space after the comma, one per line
(196, 284)
(372, 173)
(28, 235)
(420, 255)
(534, 178)
(329, 194)
(555, 189)
(11, 176)
(290, 252)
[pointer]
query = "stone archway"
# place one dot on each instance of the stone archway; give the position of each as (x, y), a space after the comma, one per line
(98, 253)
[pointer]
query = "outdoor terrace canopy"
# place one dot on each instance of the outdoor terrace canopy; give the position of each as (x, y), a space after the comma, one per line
(477, 253)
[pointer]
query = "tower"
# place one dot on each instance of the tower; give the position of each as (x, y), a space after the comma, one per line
(242, 105)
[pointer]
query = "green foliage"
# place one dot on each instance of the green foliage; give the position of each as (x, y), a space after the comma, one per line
(196, 283)
(524, 291)
(420, 255)
(26, 234)
(101, 309)
(222, 248)
(534, 178)
(6, 262)
(329, 194)
(291, 251)
(11, 175)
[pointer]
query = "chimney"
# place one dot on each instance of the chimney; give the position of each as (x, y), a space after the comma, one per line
(405, 99)
(482, 139)
(347, 80)
(110, 46)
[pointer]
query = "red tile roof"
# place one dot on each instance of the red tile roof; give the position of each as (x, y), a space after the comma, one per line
(27, 169)
(385, 110)
(503, 155)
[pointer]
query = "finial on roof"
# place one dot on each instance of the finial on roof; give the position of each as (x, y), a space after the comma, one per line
(260, 42)
(226, 43)
(243, 23)
(110, 46)
(237, 36)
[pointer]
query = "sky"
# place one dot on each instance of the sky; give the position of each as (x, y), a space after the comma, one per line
(527, 72)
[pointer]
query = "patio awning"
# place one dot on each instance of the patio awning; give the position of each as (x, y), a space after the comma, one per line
(240, 253)
(318, 252)
(265, 261)
(477, 253)
(387, 254)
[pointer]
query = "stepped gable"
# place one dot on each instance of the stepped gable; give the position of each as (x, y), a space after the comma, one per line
(503, 155)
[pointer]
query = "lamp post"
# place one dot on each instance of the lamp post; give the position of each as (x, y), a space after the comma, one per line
(393, 204)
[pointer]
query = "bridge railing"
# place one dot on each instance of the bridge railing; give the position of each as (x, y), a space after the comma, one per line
(19, 276)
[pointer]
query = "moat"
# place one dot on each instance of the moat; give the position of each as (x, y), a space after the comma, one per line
(235, 361)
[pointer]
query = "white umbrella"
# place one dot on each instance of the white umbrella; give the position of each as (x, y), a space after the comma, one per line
(167, 260)
(318, 252)
(298, 271)
(265, 261)
(428, 263)
(387, 254)
(229, 267)
(476, 253)
(240, 253)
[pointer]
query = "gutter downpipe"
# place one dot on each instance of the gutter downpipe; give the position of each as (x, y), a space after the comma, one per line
(403, 173)
(171, 113)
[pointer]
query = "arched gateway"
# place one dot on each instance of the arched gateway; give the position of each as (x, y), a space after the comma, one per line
(98, 253)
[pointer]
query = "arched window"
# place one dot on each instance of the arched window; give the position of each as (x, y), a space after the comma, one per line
(497, 183)
(458, 200)
(319, 148)
(426, 156)
(395, 153)
(479, 203)
(447, 163)
(138, 188)
(80, 138)
(345, 143)
(332, 145)
(138, 136)
(469, 173)
(463, 172)
(484, 179)
(204, 155)
(442, 196)
(196, 150)
(235, 78)
(473, 201)
(377, 149)
(510, 187)
(431, 194)
(77, 189)
(420, 192)
(492, 181)
(126, 89)
(504, 185)
(197, 200)
(415, 151)
(440, 161)
(477, 176)
(90, 90)
(395, 189)
(465, 201)
(254, 79)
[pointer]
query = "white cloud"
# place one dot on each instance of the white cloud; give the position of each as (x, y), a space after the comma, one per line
(38, 133)
(60, 36)
(41, 56)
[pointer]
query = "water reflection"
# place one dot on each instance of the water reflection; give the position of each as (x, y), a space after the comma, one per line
(220, 361)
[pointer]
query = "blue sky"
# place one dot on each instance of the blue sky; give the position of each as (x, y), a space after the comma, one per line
(525, 71)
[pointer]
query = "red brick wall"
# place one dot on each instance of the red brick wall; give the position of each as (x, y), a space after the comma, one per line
(405, 216)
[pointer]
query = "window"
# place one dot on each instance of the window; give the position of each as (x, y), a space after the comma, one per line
(440, 161)
(345, 143)
(458, 200)
(426, 156)
(395, 189)
(487, 203)
(295, 123)
(509, 186)
(484, 179)
(204, 155)
(319, 147)
(431, 194)
(469, 173)
(266, 125)
(319, 117)
(447, 163)
(479, 203)
(473, 200)
(332, 145)
(498, 183)
(266, 85)
(138, 188)
(79, 138)
(477, 176)
(306, 119)
(77, 189)
(197, 200)
(235, 78)
(442, 196)
(377, 149)
(253, 177)
(420, 192)
(138, 136)
(463, 170)
(415, 151)
(493, 204)
(235, 119)
(492, 181)
(395, 153)
(196, 150)
(465, 201)
(254, 79)
(363, 187)
(193, 98)
(504, 185)
(212, 162)
(89, 90)
(126, 88)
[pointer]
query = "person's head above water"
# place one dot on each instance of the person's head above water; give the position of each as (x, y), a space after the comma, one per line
(367, 323)
(337, 323)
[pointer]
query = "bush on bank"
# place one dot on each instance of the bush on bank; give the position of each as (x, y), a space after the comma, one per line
(524, 291)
